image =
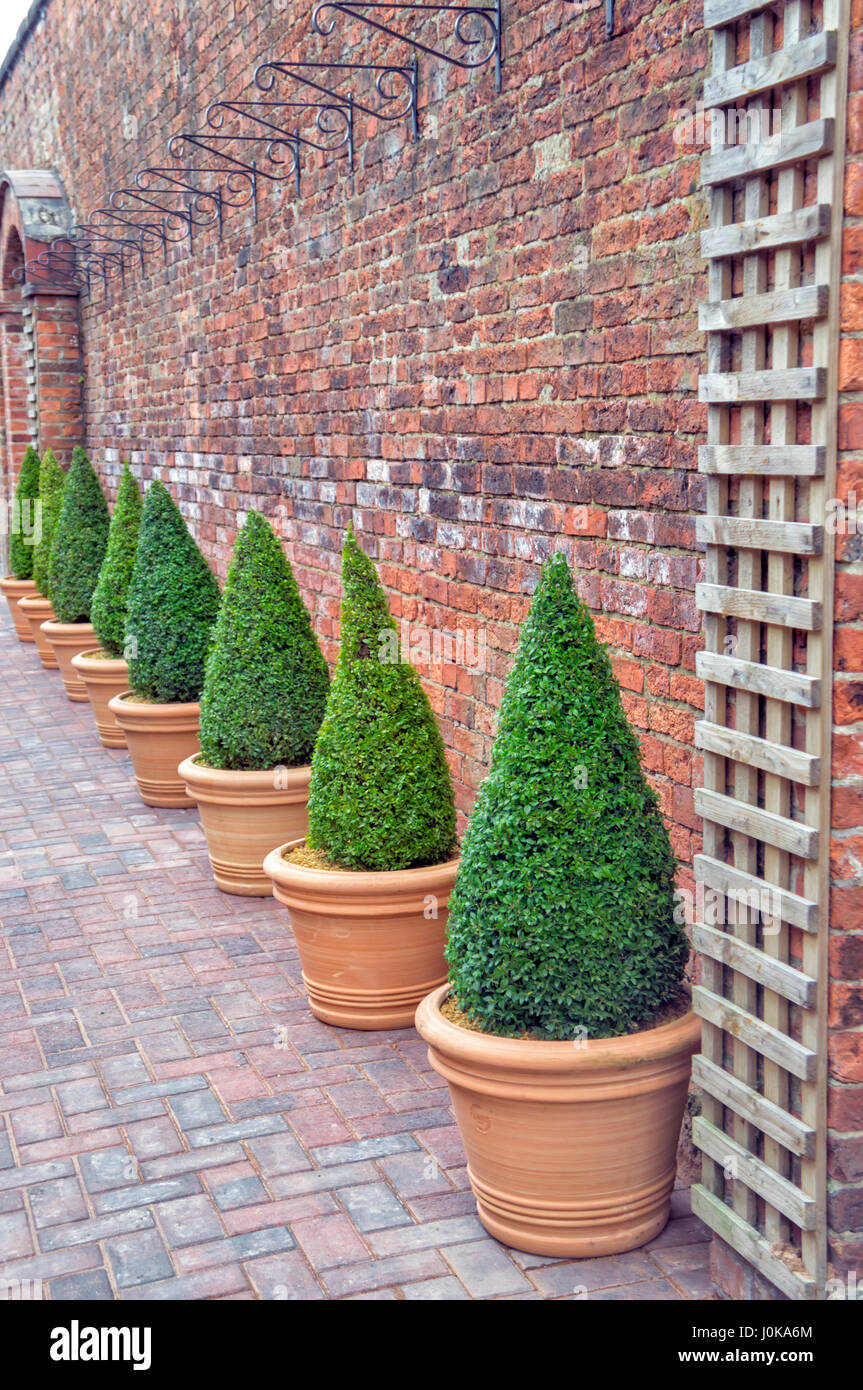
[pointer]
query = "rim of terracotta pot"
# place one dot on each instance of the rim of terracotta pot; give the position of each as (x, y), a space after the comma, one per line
(52, 628)
(349, 884)
(93, 662)
(135, 705)
(34, 601)
(550, 1069)
(27, 586)
(243, 786)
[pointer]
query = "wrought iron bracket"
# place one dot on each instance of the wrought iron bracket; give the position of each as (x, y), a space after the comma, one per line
(485, 20)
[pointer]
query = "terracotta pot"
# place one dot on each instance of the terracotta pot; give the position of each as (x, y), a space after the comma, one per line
(37, 610)
(245, 815)
(13, 590)
(368, 951)
(103, 676)
(67, 639)
(158, 737)
(571, 1146)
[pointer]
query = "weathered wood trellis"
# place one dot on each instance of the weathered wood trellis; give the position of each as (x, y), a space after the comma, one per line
(772, 321)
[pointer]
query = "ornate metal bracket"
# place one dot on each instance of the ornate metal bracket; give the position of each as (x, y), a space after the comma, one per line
(397, 86)
(477, 28)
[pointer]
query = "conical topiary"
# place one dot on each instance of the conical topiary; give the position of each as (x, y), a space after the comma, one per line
(562, 922)
(78, 547)
(266, 681)
(52, 484)
(380, 795)
(25, 522)
(171, 607)
(108, 609)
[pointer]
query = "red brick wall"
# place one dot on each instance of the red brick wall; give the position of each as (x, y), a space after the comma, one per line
(845, 1198)
(482, 347)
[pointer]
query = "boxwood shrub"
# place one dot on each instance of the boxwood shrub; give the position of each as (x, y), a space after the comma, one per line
(380, 794)
(23, 529)
(266, 681)
(79, 543)
(172, 605)
(108, 609)
(562, 918)
(52, 483)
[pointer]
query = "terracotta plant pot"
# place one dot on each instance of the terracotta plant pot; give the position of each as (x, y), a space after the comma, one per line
(571, 1146)
(158, 737)
(368, 951)
(13, 590)
(245, 815)
(67, 639)
(103, 677)
(37, 610)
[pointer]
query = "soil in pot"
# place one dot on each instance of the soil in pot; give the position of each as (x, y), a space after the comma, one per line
(571, 1146)
(103, 676)
(158, 737)
(37, 610)
(368, 942)
(67, 640)
(245, 815)
(13, 590)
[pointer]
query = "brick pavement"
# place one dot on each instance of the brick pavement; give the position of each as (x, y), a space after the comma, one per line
(174, 1124)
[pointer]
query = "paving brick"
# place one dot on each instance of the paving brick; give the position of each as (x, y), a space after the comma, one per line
(451, 1231)
(154, 1138)
(485, 1269)
(188, 1221)
(286, 1278)
(143, 1194)
(373, 1207)
(446, 1289)
(248, 1245)
(82, 1288)
(95, 1228)
(239, 1192)
(59, 1201)
(15, 1239)
(329, 1240)
(381, 1274)
(139, 1258)
(108, 1168)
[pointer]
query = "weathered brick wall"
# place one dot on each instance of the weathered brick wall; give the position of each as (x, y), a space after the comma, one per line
(483, 346)
(845, 1201)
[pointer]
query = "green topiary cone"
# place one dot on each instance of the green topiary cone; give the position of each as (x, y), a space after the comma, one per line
(24, 528)
(266, 682)
(380, 795)
(108, 609)
(171, 607)
(79, 543)
(52, 484)
(562, 922)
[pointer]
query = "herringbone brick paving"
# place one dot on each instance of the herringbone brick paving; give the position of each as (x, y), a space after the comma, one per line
(174, 1124)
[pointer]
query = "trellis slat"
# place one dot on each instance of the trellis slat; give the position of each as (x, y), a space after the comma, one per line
(786, 1129)
(765, 460)
(752, 1031)
(767, 233)
(755, 1174)
(755, 605)
(796, 383)
(807, 58)
(752, 311)
(743, 1238)
(758, 752)
(790, 835)
(757, 894)
(808, 141)
(792, 537)
(766, 970)
(758, 679)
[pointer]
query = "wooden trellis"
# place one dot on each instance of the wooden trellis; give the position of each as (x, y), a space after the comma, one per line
(772, 320)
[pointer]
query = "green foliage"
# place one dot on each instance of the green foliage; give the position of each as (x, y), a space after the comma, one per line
(52, 484)
(172, 604)
(562, 917)
(108, 609)
(24, 511)
(266, 682)
(380, 794)
(78, 547)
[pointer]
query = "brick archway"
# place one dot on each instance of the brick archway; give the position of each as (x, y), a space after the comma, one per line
(40, 341)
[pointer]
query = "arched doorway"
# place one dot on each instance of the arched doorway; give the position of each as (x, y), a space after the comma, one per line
(40, 352)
